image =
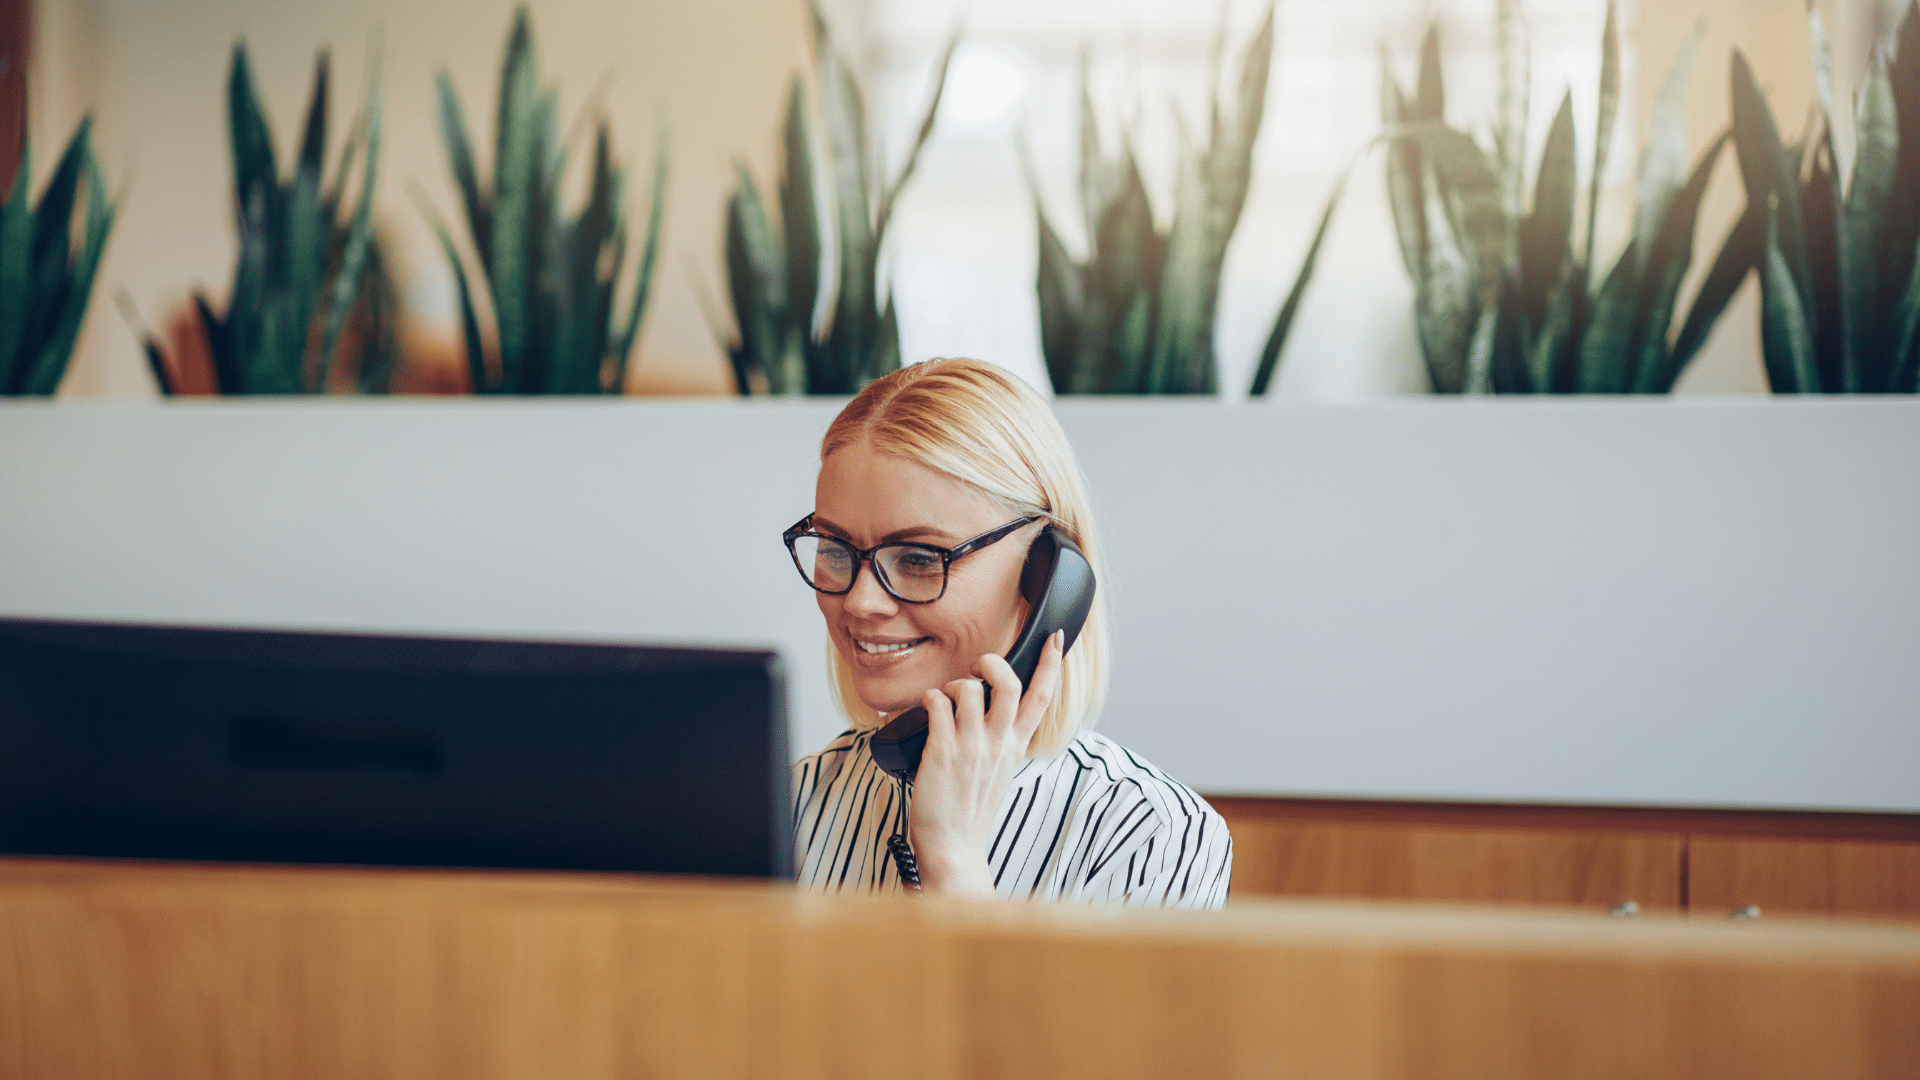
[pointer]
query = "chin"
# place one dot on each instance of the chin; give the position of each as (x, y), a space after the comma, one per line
(892, 692)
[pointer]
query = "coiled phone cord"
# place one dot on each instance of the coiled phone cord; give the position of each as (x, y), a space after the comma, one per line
(902, 852)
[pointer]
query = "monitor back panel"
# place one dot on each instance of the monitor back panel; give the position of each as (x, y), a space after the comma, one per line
(177, 743)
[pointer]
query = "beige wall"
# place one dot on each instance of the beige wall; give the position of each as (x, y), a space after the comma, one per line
(153, 73)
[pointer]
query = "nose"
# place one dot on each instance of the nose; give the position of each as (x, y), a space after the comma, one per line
(867, 597)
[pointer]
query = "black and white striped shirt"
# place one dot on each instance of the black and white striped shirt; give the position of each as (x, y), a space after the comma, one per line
(1092, 824)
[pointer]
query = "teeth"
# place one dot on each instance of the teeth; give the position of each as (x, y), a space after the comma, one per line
(869, 647)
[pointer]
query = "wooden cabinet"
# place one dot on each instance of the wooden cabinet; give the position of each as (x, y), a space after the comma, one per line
(1700, 861)
(1838, 877)
(1456, 863)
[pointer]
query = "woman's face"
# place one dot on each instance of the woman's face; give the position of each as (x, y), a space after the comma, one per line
(900, 651)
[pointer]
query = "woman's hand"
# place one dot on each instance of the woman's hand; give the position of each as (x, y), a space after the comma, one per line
(971, 757)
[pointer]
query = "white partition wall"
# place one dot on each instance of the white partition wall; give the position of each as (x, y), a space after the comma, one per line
(1691, 602)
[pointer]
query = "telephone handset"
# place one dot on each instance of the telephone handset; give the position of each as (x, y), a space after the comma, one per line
(1058, 584)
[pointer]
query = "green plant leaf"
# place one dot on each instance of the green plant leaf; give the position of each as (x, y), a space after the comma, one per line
(308, 227)
(453, 133)
(1057, 286)
(1826, 267)
(1663, 155)
(516, 191)
(799, 216)
(1430, 98)
(1903, 227)
(754, 269)
(854, 326)
(1404, 196)
(1786, 334)
(886, 356)
(1604, 123)
(1470, 197)
(649, 257)
(44, 378)
(353, 260)
(1283, 323)
(1210, 191)
(1446, 302)
(1126, 260)
(469, 323)
(1133, 347)
(1741, 252)
(1904, 373)
(220, 347)
(1551, 361)
(1510, 124)
(1183, 336)
(1546, 235)
(1769, 172)
(1662, 272)
(251, 142)
(1866, 229)
(1606, 346)
(1097, 180)
(16, 305)
(313, 140)
(52, 252)
(248, 302)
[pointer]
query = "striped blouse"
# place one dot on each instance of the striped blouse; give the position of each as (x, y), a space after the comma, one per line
(1092, 824)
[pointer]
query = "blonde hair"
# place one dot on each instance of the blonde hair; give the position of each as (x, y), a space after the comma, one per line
(985, 428)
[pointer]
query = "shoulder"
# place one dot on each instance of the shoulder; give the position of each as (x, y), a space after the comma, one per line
(1111, 765)
(834, 771)
(844, 745)
(1168, 845)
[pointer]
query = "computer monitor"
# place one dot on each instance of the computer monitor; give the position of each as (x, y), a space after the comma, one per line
(273, 746)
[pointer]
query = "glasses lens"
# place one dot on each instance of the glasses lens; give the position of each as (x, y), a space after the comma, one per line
(914, 572)
(827, 563)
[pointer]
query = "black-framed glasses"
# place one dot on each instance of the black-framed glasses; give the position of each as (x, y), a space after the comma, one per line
(912, 573)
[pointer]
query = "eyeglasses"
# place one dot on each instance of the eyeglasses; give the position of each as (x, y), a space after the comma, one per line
(911, 573)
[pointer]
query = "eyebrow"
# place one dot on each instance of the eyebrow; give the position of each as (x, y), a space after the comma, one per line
(897, 534)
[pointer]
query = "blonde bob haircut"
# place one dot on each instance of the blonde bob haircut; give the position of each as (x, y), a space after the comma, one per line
(987, 429)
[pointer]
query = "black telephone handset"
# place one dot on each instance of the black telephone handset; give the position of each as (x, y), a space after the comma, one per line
(1058, 584)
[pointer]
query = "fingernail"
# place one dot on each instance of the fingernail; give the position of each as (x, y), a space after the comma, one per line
(1059, 639)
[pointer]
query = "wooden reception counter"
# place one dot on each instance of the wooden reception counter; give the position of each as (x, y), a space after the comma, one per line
(112, 970)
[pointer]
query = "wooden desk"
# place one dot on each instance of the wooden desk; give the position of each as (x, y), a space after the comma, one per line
(139, 970)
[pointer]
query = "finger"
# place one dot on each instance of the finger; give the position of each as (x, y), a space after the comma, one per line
(969, 702)
(940, 733)
(1045, 685)
(1006, 687)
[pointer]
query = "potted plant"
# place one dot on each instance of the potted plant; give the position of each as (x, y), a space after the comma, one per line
(552, 276)
(773, 275)
(1834, 243)
(46, 271)
(308, 264)
(1506, 297)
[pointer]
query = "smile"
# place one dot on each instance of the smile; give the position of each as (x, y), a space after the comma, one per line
(896, 648)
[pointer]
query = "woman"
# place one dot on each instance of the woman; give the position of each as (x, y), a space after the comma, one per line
(931, 469)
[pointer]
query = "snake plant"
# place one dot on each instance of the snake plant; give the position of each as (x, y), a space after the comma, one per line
(302, 270)
(1504, 293)
(551, 276)
(773, 275)
(1835, 248)
(1137, 315)
(45, 279)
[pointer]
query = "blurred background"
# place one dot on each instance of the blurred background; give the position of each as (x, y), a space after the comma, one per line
(962, 250)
